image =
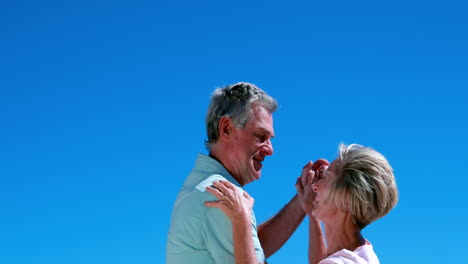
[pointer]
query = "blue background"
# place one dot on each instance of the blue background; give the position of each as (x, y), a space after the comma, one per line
(102, 107)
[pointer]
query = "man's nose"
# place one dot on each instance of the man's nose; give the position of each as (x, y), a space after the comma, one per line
(268, 148)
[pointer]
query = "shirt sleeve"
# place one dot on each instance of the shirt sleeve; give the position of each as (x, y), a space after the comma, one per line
(258, 247)
(342, 257)
(217, 234)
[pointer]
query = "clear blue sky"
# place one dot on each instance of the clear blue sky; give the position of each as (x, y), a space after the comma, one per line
(102, 107)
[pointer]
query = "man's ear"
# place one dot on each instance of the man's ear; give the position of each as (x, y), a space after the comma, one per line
(225, 128)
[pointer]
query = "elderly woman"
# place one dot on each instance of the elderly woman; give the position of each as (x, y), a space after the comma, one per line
(356, 189)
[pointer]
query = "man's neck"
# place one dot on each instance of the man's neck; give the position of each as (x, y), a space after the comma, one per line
(216, 152)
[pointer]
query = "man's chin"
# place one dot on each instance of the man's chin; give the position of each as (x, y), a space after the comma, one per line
(257, 176)
(253, 177)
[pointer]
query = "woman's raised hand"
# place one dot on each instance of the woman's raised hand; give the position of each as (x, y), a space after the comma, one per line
(304, 183)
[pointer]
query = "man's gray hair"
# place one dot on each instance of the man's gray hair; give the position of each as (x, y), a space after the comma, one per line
(235, 101)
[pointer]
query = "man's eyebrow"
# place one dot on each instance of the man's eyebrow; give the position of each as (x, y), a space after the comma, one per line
(268, 132)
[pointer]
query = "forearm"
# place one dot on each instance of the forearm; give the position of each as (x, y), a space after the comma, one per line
(244, 252)
(277, 230)
(317, 247)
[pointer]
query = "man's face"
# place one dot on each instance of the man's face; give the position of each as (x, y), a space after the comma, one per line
(250, 145)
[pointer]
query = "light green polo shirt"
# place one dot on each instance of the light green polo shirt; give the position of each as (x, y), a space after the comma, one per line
(200, 234)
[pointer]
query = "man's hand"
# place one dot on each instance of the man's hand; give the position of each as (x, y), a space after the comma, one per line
(304, 184)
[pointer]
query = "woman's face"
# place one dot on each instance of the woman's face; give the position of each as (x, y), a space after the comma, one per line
(322, 209)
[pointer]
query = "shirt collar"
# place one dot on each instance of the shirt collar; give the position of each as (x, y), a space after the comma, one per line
(207, 163)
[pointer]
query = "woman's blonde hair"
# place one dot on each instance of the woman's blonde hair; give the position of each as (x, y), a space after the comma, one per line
(364, 185)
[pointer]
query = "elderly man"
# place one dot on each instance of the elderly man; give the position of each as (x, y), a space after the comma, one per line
(239, 126)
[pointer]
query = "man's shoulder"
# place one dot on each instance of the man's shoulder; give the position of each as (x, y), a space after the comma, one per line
(194, 193)
(209, 181)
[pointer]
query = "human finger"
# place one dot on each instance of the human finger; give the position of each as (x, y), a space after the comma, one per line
(217, 204)
(299, 182)
(215, 192)
(249, 199)
(323, 168)
(316, 177)
(299, 190)
(320, 162)
(310, 178)
(305, 171)
(228, 184)
(247, 195)
(321, 171)
(303, 178)
(229, 190)
(222, 188)
(307, 167)
(299, 187)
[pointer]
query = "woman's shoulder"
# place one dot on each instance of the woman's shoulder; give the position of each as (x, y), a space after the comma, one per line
(362, 255)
